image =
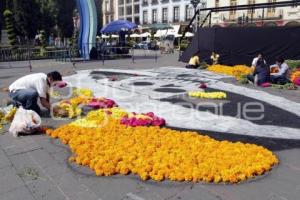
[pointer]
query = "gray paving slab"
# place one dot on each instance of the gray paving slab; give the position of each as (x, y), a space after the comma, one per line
(42, 157)
(12, 145)
(27, 167)
(9, 180)
(50, 145)
(4, 161)
(45, 190)
(75, 190)
(20, 193)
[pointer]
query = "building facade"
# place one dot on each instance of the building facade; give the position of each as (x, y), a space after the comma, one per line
(129, 10)
(167, 11)
(109, 11)
(274, 16)
(121, 9)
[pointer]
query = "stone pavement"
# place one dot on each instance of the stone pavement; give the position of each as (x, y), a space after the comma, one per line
(36, 167)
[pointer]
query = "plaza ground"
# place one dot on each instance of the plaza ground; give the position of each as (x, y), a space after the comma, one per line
(36, 167)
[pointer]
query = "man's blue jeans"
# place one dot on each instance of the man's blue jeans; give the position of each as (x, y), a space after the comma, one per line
(279, 79)
(27, 98)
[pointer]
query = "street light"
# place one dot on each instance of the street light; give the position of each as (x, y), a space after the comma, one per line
(195, 4)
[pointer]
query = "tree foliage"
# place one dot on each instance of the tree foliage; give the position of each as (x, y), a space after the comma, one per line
(65, 17)
(27, 13)
(9, 23)
(52, 16)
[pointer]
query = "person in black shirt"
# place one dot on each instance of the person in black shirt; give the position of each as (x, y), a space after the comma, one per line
(262, 71)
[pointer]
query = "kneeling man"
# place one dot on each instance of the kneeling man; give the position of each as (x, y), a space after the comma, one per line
(27, 90)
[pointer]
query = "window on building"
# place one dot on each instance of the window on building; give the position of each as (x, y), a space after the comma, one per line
(107, 6)
(137, 20)
(121, 11)
(233, 10)
(129, 19)
(189, 12)
(145, 17)
(128, 1)
(165, 15)
(154, 16)
(121, 2)
(154, 2)
(217, 4)
(145, 2)
(128, 10)
(272, 8)
(176, 14)
(251, 2)
(136, 9)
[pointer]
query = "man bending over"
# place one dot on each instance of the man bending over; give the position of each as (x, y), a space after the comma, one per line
(28, 89)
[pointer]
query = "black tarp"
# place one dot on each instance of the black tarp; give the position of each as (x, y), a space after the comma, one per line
(239, 45)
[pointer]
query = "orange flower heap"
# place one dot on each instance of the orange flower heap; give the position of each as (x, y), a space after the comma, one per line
(295, 75)
(237, 71)
(161, 153)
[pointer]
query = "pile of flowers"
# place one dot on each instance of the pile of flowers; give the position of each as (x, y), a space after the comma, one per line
(208, 95)
(81, 97)
(100, 117)
(112, 141)
(160, 153)
(85, 92)
(7, 115)
(148, 119)
(237, 71)
(295, 77)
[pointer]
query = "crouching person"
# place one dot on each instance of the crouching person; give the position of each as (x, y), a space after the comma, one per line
(194, 62)
(27, 90)
(280, 77)
(261, 71)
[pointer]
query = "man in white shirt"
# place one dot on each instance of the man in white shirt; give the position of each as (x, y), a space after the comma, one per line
(259, 56)
(280, 76)
(27, 90)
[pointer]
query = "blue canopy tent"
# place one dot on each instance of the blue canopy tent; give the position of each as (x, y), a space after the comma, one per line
(118, 26)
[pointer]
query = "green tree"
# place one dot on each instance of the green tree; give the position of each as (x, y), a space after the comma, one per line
(2, 7)
(48, 15)
(27, 14)
(9, 22)
(64, 19)
(99, 13)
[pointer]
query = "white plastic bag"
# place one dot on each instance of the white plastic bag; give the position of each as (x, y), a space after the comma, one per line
(25, 121)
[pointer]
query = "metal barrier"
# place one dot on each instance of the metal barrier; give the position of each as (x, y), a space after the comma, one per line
(103, 53)
(32, 53)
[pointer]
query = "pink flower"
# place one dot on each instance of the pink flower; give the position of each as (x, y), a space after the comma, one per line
(203, 86)
(61, 84)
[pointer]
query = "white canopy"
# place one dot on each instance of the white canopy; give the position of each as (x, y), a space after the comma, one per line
(173, 31)
(146, 34)
(107, 36)
(189, 34)
(135, 35)
(104, 36)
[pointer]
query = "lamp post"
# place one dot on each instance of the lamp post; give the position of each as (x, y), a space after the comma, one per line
(195, 4)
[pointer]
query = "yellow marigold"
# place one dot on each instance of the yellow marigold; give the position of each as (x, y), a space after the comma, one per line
(161, 153)
(83, 92)
(237, 71)
(208, 95)
(294, 75)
